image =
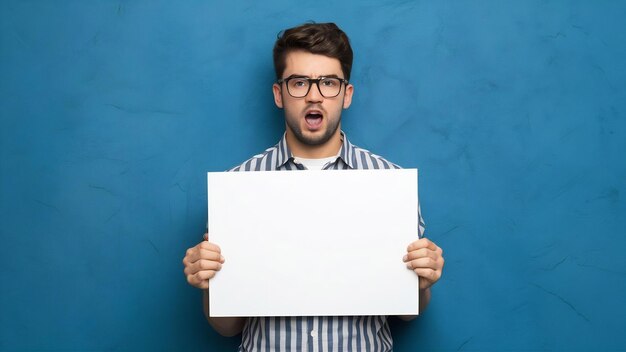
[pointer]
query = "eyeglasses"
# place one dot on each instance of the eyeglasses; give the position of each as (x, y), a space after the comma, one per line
(299, 87)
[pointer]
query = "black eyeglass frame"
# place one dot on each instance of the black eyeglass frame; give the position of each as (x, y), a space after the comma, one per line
(311, 81)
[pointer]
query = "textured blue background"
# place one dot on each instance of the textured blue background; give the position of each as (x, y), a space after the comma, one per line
(112, 112)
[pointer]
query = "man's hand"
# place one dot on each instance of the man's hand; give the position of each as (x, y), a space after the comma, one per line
(202, 262)
(426, 260)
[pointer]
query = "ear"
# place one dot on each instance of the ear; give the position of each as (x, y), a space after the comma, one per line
(347, 97)
(278, 97)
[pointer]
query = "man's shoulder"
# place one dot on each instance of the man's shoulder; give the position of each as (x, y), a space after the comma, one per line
(265, 161)
(365, 159)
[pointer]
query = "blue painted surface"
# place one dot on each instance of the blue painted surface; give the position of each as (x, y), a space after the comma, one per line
(112, 112)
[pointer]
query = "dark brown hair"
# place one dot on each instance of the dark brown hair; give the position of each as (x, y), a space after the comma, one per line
(316, 38)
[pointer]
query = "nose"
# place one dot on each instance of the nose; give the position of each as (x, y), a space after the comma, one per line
(314, 95)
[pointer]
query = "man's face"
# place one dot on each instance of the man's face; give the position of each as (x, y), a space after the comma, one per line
(313, 119)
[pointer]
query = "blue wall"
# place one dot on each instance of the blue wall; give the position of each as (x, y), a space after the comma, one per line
(112, 112)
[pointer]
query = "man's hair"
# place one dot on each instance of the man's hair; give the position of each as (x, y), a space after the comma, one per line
(316, 38)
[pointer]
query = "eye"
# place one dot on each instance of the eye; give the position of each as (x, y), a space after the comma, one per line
(298, 83)
(330, 82)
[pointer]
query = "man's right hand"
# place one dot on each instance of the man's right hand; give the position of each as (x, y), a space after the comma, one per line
(202, 262)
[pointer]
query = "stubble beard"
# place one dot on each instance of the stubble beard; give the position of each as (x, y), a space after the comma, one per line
(294, 126)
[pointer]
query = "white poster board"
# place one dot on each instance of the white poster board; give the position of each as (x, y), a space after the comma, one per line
(313, 243)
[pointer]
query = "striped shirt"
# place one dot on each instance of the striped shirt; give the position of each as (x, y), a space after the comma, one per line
(351, 333)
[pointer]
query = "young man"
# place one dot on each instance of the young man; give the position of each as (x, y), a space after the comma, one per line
(313, 64)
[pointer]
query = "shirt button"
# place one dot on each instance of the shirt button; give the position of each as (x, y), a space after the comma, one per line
(313, 333)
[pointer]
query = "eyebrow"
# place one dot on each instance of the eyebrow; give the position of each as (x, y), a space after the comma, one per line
(304, 76)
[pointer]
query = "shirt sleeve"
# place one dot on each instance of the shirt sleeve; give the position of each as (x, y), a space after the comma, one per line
(421, 225)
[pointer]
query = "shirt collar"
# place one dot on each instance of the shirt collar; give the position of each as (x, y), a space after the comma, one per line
(346, 152)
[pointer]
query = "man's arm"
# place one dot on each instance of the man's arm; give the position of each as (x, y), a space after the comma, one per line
(201, 263)
(425, 258)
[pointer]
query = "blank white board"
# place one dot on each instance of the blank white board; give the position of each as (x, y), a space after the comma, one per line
(313, 243)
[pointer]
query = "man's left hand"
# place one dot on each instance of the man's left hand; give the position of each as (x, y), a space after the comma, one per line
(426, 260)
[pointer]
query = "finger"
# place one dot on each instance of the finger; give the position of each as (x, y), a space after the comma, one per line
(422, 243)
(209, 246)
(210, 255)
(426, 263)
(192, 255)
(420, 253)
(202, 265)
(206, 236)
(201, 278)
(194, 281)
(205, 275)
(429, 275)
(200, 252)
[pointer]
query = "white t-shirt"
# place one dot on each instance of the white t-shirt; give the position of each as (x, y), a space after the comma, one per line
(315, 164)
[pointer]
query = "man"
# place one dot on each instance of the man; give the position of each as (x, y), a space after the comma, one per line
(313, 64)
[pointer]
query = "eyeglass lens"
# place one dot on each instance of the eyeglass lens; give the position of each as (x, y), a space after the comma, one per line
(328, 87)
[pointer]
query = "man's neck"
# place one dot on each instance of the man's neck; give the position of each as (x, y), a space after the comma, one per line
(328, 149)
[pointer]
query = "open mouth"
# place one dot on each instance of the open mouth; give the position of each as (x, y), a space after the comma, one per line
(313, 119)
